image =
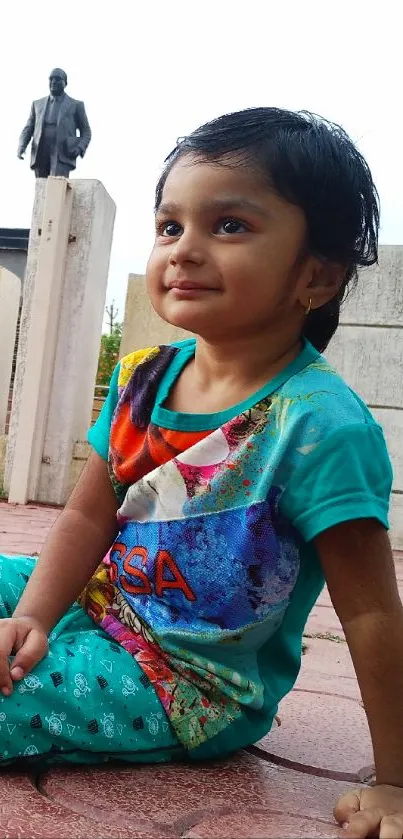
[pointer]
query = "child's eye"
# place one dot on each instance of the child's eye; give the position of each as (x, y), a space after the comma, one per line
(168, 228)
(230, 226)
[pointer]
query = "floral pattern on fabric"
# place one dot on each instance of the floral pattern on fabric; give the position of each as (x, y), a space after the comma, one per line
(194, 704)
(203, 559)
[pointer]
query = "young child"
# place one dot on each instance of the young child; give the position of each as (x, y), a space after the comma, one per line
(243, 472)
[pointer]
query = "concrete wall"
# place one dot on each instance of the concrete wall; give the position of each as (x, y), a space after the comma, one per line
(14, 261)
(10, 294)
(13, 249)
(368, 352)
(3, 447)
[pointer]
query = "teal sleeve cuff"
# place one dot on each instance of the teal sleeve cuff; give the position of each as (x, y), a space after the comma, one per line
(345, 477)
(98, 435)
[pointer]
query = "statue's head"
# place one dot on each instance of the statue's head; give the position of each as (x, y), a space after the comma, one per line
(57, 81)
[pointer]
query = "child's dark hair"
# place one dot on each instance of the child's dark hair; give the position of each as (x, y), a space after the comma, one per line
(311, 163)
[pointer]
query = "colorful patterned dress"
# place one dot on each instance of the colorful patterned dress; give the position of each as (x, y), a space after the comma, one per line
(214, 571)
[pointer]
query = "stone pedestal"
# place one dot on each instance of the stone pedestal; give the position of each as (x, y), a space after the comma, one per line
(61, 323)
(10, 292)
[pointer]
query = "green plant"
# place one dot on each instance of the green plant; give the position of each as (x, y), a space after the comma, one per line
(109, 354)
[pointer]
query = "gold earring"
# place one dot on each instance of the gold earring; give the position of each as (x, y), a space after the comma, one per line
(309, 309)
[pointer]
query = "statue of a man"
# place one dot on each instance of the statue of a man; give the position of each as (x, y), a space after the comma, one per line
(53, 125)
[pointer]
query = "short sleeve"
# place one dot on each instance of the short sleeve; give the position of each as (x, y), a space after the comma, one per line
(345, 477)
(98, 435)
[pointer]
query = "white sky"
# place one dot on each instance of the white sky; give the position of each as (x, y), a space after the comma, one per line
(150, 73)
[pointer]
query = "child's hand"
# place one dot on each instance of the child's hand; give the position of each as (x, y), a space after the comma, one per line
(27, 640)
(374, 811)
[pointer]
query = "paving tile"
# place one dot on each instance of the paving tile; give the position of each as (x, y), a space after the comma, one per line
(24, 812)
(23, 529)
(197, 799)
(399, 566)
(262, 825)
(322, 734)
(324, 598)
(323, 621)
(327, 666)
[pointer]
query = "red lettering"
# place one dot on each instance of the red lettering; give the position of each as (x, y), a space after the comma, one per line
(136, 573)
(164, 559)
(135, 581)
(136, 551)
(120, 549)
(113, 571)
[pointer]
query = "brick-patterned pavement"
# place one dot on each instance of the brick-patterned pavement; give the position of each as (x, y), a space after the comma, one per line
(23, 529)
(284, 786)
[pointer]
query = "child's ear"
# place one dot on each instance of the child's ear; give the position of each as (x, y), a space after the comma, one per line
(327, 279)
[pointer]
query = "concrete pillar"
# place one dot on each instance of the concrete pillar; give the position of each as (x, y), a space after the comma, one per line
(10, 293)
(64, 299)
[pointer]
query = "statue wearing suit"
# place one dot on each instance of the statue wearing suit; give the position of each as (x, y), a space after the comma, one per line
(53, 125)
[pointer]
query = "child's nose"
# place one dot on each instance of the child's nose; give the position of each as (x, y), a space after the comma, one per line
(188, 248)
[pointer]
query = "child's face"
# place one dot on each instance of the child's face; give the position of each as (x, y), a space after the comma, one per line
(225, 262)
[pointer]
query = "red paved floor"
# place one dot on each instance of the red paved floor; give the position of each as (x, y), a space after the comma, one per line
(284, 786)
(24, 529)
